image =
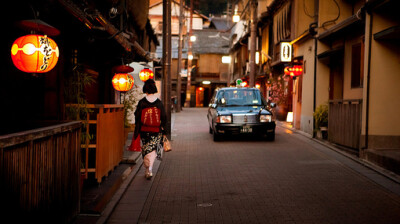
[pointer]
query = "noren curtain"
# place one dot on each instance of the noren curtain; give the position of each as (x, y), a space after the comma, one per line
(282, 23)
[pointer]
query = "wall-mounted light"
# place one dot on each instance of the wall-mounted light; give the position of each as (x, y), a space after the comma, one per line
(289, 117)
(193, 38)
(206, 82)
(236, 16)
(257, 57)
(190, 56)
(226, 59)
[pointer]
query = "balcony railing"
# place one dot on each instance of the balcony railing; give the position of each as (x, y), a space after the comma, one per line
(40, 173)
(104, 146)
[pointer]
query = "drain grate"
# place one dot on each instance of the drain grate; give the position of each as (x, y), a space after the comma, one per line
(204, 205)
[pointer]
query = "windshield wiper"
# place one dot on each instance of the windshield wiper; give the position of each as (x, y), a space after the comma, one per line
(235, 105)
(251, 105)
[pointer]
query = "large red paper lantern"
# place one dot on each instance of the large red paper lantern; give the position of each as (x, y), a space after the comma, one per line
(122, 82)
(34, 53)
(146, 74)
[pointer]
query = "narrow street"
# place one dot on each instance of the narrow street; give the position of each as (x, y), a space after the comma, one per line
(291, 180)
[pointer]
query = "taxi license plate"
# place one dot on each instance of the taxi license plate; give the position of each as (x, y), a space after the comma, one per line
(246, 129)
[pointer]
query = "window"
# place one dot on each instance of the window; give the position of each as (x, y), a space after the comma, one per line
(357, 74)
(239, 97)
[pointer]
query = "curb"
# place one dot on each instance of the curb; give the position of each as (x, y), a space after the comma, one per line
(387, 173)
(128, 176)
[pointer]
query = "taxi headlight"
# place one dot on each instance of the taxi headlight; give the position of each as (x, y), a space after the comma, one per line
(224, 119)
(265, 118)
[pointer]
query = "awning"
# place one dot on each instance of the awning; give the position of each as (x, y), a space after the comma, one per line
(352, 23)
(326, 55)
(392, 33)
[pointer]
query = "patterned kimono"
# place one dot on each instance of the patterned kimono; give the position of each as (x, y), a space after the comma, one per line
(151, 136)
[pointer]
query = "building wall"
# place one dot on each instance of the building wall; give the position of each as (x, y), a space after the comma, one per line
(306, 49)
(328, 11)
(383, 122)
(322, 83)
(156, 12)
(304, 10)
(212, 63)
(348, 91)
(264, 44)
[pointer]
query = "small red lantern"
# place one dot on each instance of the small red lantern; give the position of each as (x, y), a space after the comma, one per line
(34, 53)
(146, 74)
(297, 70)
(122, 82)
(286, 71)
(294, 71)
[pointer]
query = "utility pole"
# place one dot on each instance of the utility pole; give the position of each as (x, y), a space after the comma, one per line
(190, 54)
(166, 62)
(180, 45)
(253, 34)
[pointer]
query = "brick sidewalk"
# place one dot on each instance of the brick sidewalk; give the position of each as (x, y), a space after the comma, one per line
(290, 180)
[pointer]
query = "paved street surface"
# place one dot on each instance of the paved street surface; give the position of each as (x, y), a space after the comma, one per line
(291, 180)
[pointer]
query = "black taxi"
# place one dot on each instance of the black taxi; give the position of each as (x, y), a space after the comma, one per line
(240, 110)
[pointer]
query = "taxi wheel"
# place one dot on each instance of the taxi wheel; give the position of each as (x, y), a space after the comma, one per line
(270, 137)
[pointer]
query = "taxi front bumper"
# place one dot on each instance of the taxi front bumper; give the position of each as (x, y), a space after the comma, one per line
(245, 128)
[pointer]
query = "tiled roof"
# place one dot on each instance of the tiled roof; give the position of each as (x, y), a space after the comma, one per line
(210, 41)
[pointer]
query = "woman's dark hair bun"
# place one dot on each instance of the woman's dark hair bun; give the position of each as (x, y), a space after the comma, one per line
(150, 87)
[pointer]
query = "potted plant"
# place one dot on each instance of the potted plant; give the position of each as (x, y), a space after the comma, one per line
(321, 120)
(74, 93)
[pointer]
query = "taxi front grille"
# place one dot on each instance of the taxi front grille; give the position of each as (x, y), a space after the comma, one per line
(244, 118)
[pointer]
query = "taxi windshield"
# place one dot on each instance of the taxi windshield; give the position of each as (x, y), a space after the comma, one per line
(239, 97)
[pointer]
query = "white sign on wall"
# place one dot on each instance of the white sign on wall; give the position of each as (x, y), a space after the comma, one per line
(286, 52)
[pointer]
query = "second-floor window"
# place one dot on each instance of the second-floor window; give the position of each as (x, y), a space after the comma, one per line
(357, 59)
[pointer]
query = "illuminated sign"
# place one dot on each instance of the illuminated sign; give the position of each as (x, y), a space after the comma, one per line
(286, 52)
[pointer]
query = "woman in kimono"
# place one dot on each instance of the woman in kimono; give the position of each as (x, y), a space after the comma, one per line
(150, 124)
